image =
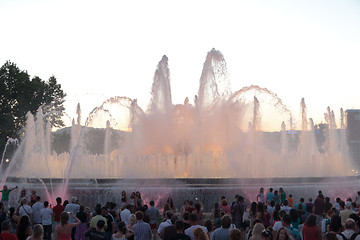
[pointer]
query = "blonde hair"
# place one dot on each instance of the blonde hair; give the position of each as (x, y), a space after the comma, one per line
(257, 230)
(200, 234)
(38, 231)
(132, 219)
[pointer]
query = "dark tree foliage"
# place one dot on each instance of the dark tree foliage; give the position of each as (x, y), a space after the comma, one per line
(19, 94)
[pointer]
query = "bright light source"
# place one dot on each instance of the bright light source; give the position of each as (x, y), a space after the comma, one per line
(7, 160)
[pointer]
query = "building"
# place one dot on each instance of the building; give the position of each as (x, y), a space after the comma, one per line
(352, 117)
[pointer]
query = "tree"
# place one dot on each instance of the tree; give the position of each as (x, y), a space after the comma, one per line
(20, 94)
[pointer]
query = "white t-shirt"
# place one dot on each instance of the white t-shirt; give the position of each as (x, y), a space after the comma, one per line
(36, 208)
(46, 216)
(163, 225)
(277, 226)
(124, 215)
(25, 210)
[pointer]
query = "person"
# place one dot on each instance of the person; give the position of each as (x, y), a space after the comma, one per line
(153, 213)
(25, 210)
(223, 232)
(282, 195)
(256, 232)
(5, 231)
(97, 217)
(270, 196)
(33, 197)
(216, 215)
(122, 233)
(124, 215)
(319, 207)
(166, 223)
(237, 211)
(285, 206)
(277, 197)
(295, 220)
(58, 209)
(262, 214)
(82, 227)
(139, 201)
(123, 199)
(110, 223)
(74, 208)
(290, 201)
(344, 214)
(194, 225)
(22, 196)
(307, 213)
(283, 234)
(170, 231)
(252, 213)
(310, 231)
(97, 233)
(266, 235)
(171, 203)
(302, 200)
(5, 196)
(350, 231)
(142, 230)
(286, 222)
(38, 233)
(179, 226)
(63, 231)
(23, 230)
(183, 208)
(225, 207)
(46, 220)
(200, 234)
(190, 208)
(199, 213)
(328, 204)
(14, 220)
(209, 226)
(235, 234)
(335, 224)
(261, 197)
(310, 203)
(36, 209)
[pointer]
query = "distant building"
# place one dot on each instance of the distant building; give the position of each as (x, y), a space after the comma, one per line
(352, 117)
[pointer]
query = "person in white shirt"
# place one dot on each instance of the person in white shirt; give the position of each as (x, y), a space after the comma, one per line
(193, 222)
(125, 214)
(36, 208)
(74, 208)
(163, 225)
(46, 214)
(350, 231)
(25, 210)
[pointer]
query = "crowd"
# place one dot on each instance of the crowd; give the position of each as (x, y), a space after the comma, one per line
(273, 216)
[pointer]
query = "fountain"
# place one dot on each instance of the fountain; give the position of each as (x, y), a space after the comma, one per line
(204, 140)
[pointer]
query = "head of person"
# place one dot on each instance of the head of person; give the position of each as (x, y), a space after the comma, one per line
(321, 196)
(192, 219)
(5, 188)
(200, 234)
(224, 202)
(271, 189)
(286, 220)
(132, 219)
(38, 231)
(139, 215)
(121, 227)
(335, 224)
(5, 226)
(179, 226)
(286, 202)
(266, 235)
(283, 234)
(38, 198)
(330, 236)
(137, 194)
(350, 224)
(123, 193)
(168, 214)
(309, 208)
(46, 204)
(170, 200)
(132, 196)
(100, 224)
(23, 193)
(186, 216)
(226, 221)
(310, 199)
(209, 226)
(98, 209)
(104, 211)
(261, 190)
(293, 214)
(310, 220)
(191, 203)
(327, 199)
(235, 234)
(64, 218)
(152, 203)
(302, 200)
(348, 205)
(23, 226)
(197, 207)
(58, 200)
(73, 200)
(257, 230)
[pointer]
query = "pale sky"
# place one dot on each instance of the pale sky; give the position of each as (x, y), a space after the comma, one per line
(101, 49)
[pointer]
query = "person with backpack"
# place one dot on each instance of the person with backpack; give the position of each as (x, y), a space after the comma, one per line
(237, 211)
(350, 231)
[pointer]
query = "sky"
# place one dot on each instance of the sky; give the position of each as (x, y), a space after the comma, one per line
(101, 49)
